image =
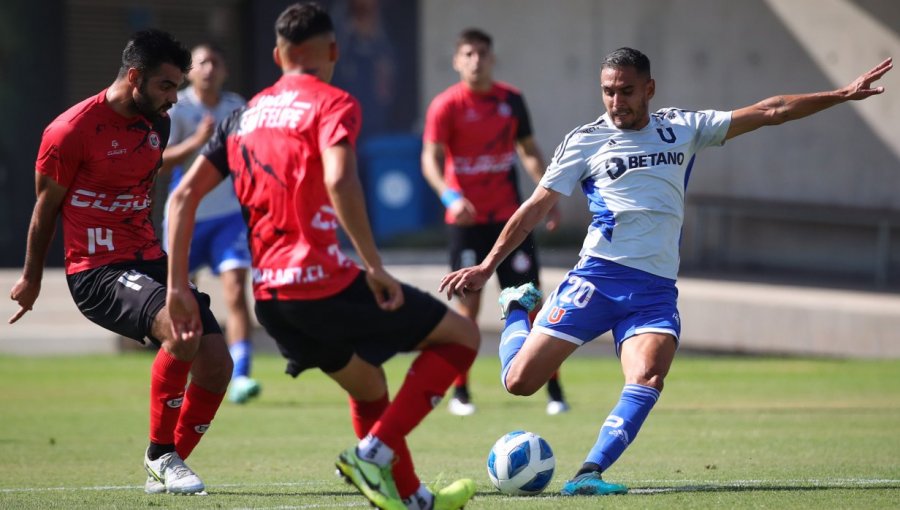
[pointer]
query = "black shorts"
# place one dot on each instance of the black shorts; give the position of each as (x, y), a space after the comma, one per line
(470, 245)
(325, 333)
(125, 298)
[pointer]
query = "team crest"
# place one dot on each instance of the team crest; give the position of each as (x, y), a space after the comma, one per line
(555, 315)
(521, 262)
(154, 140)
(504, 110)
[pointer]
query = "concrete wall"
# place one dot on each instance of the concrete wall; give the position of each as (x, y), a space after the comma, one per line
(710, 54)
(719, 316)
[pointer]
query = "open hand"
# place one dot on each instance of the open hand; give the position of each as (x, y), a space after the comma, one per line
(468, 278)
(861, 87)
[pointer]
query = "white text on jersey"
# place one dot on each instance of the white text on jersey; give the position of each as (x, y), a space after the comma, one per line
(274, 112)
(94, 200)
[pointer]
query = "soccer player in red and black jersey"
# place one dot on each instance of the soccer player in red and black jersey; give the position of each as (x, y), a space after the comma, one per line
(291, 155)
(473, 132)
(96, 168)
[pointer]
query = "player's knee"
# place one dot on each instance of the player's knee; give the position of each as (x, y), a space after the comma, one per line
(518, 383)
(649, 378)
(465, 331)
(183, 350)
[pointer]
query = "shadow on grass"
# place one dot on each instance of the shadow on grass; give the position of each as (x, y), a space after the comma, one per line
(724, 488)
(650, 491)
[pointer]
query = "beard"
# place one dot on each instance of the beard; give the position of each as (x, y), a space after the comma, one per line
(143, 103)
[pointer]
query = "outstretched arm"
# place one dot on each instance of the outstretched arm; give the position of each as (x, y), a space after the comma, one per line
(50, 196)
(780, 109)
(533, 161)
(516, 230)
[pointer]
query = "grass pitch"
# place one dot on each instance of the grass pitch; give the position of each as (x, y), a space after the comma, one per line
(727, 433)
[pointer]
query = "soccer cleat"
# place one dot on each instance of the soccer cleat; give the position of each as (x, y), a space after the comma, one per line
(527, 295)
(172, 472)
(555, 407)
(154, 486)
(591, 484)
(242, 389)
(375, 482)
(460, 407)
(454, 496)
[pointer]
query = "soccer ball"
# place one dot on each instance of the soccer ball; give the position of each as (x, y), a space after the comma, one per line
(521, 463)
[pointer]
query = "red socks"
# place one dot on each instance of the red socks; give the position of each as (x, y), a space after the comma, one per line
(167, 379)
(178, 417)
(200, 406)
(426, 382)
(364, 415)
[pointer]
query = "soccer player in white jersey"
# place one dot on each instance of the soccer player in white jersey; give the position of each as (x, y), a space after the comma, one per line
(633, 166)
(220, 236)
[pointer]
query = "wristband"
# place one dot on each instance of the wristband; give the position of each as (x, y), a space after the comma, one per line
(449, 196)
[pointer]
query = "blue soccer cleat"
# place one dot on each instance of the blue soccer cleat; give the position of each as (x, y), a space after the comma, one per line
(591, 484)
(242, 389)
(527, 295)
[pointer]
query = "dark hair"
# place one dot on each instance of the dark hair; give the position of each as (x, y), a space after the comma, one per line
(627, 57)
(210, 46)
(148, 49)
(474, 35)
(303, 21)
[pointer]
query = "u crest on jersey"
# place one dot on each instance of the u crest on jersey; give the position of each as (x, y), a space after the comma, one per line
(668, 136)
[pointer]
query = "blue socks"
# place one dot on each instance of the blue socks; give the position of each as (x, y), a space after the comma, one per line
(623, 424)
(513, 337)
(241, 353)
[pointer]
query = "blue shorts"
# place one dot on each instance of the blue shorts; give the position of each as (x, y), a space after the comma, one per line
(221, 244)
(599, 295)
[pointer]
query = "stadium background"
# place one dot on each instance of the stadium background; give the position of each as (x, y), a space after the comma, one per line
(811, 203)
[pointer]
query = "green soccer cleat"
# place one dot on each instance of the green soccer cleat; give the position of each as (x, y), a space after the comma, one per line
(454, 496)
(527, 295)
(242, 389)
(591, 484)
(375, 482)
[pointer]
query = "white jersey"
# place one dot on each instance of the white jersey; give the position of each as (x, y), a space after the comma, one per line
(635, 182)
(186, 116)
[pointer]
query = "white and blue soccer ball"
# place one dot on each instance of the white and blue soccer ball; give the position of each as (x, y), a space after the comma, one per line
(521, 464)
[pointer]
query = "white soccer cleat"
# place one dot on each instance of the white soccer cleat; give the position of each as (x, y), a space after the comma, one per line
(154, 486)
(527, 295)
(555, 407)
(174, 474)
(460, 408)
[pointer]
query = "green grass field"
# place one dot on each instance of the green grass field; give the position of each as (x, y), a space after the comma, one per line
(727, 433)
